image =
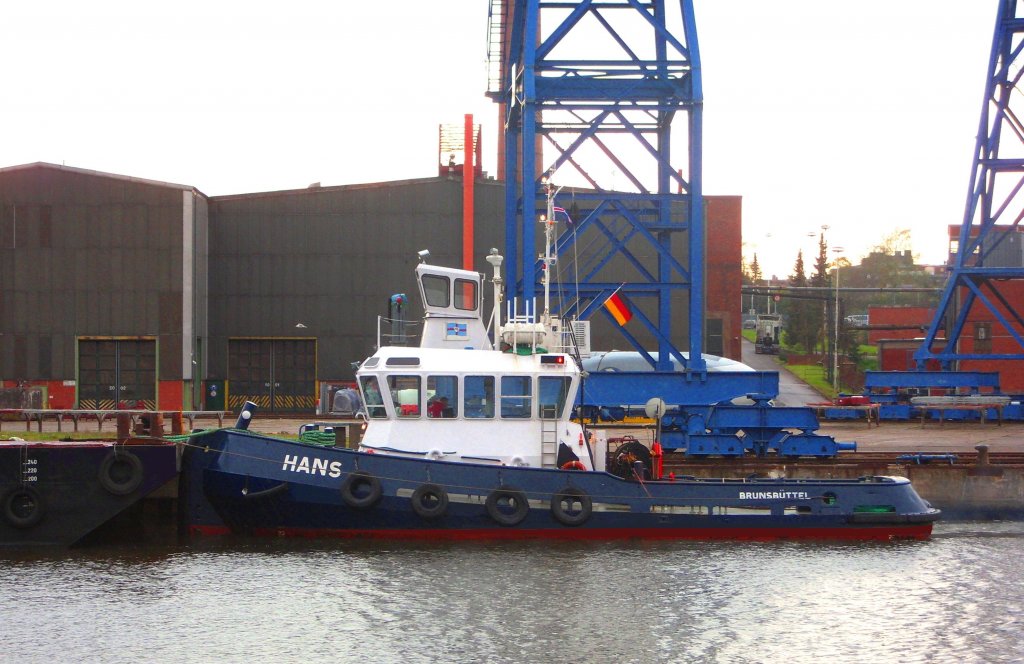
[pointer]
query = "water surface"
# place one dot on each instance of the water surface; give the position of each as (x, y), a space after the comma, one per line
(958, 598)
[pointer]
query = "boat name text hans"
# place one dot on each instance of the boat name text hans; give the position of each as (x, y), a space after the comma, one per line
(298, 464)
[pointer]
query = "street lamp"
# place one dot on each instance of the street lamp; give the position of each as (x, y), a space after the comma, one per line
(835, 338)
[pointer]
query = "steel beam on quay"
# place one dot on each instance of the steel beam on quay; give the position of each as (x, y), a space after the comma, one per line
(47, 419)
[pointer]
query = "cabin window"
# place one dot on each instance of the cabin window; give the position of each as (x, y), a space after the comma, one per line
(435, 290)
(465, 295)
(405, 393)
(479, 399)
(552, 393)
(372, 397)
(442, 395)
(516, 396)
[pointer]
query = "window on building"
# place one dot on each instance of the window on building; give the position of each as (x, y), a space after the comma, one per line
(442, 396)
(516, 396)
(479, 399)
(983, 337)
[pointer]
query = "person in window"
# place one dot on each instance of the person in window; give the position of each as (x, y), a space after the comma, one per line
(438, 407)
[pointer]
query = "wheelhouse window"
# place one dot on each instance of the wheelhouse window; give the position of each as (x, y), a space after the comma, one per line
(552, 394)
(479, 397)
(372, 397)
(405, 393)
(442, 396)
(465, 295)
(435, 290)
(516, 396)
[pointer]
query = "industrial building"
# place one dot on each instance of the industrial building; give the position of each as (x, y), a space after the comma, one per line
(124, 292)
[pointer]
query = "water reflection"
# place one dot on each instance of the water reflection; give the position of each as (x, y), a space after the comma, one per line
(956, 598)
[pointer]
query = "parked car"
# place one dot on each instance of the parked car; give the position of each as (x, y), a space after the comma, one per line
(857, 320)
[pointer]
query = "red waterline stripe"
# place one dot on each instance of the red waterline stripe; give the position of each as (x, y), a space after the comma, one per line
(208, 531)
(851, 533)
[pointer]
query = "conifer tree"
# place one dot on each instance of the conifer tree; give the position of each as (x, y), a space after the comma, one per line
(803, 322)
(819, 279)
(755, 271)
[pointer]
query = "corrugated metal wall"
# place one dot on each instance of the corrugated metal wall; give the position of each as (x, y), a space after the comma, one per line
(330, 258)
(90, 254)
(85, 255)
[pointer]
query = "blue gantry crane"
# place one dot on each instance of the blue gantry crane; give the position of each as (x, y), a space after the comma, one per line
(608, 92)
(992, 216)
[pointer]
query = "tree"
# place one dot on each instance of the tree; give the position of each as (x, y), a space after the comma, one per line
(755, 271)
(890, 265)
(803, 322)
(820, 276)
(819, 280)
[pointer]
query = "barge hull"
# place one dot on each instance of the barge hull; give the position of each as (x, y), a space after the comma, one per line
(56, 494)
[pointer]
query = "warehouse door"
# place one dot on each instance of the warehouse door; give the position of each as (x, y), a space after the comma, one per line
(278, 375)
(116, 374)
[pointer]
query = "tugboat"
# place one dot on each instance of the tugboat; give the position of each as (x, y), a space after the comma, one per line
(466, 439)
(58, 493)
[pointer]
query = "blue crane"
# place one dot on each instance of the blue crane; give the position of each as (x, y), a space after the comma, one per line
(608, 92)
(992, 216)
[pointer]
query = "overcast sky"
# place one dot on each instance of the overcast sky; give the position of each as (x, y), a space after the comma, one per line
(858, 115)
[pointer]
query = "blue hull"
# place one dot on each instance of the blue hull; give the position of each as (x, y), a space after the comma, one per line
(245, 483)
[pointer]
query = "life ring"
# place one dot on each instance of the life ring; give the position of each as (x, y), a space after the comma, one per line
(121, 472)
(563, 506)
(22, 507)
(429, 501)
(575, 464)
(507, 506)
(361, 490)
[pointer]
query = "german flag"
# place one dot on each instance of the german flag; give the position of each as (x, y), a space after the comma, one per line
(618, 309)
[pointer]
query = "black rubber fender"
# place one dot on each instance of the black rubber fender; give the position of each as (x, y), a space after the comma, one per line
(361, 490)
(266, 493)
(429, 501)
(121, 472)
(567, 516)
(22, 507)
(498, 502)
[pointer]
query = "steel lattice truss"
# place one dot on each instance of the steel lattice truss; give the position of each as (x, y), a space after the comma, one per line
(594, 90)
(976, 287)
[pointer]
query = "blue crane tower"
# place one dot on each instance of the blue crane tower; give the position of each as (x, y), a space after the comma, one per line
(991, 222)
(608, 93)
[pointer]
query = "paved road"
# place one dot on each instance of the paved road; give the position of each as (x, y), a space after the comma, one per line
(792, 390)
(890, 436)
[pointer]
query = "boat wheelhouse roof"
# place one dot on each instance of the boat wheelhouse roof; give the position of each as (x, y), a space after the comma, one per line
(396, 359)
